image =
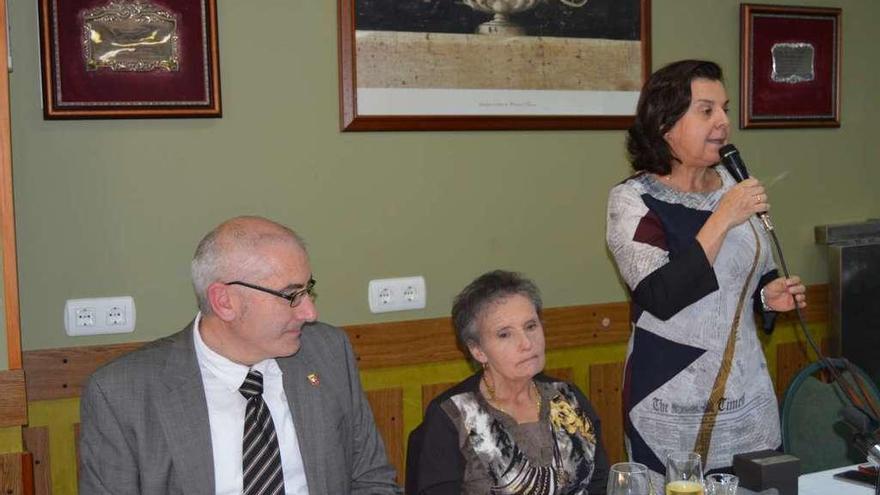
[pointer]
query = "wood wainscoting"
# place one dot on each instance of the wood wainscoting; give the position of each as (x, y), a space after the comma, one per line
(16, 474)
(59, 373)
(13, 403)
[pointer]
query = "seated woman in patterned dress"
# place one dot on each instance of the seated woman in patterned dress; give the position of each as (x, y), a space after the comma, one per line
(508, 429)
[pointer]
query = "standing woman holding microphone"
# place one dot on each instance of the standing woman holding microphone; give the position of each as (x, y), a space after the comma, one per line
(696, 261)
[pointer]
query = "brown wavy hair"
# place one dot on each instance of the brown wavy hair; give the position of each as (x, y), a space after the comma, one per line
(665, 98)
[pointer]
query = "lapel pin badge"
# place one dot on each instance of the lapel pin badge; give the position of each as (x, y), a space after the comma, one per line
(313, 379)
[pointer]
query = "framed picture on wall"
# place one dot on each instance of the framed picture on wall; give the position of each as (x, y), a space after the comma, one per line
(491, 64)
(106, 59)
(790, 66)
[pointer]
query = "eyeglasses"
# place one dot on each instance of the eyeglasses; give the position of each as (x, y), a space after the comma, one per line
(294, 298)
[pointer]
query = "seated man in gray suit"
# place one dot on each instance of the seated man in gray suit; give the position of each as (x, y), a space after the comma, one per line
(254, 396)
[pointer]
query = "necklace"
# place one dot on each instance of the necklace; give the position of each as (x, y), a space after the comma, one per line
(490, 395)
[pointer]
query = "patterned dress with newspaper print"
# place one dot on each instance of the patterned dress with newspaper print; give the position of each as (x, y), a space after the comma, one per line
(695, 376)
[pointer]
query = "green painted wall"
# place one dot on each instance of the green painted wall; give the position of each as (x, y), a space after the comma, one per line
(116, 207)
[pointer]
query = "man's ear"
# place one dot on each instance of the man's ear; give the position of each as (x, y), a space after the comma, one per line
(223, 303)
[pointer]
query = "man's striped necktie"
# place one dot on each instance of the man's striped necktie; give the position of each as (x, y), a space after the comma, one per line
(261, 458)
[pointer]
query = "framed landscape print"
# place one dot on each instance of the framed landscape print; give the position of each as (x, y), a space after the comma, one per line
(491, 64)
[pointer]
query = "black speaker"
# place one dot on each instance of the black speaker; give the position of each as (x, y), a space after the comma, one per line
(854, 272)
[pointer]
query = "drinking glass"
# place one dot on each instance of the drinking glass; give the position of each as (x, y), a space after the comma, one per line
(684, 474)
(629, 478)
(721, 484)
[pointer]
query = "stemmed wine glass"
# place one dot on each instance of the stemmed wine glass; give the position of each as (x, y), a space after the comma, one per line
(629, 478)
(684, 474)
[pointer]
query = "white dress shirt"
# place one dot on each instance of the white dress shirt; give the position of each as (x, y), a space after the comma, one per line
(226, 407)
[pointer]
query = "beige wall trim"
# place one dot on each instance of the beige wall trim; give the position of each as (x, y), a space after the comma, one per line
(60, 373)
(13, 402)
(7, 211)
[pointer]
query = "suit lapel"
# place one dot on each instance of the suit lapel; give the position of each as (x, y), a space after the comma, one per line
(184, 417)
(305, 402)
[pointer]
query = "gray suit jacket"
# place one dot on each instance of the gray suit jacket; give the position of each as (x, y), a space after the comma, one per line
(144, 421)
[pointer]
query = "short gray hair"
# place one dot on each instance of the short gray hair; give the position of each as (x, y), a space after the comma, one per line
(488, 288)
(228, 252)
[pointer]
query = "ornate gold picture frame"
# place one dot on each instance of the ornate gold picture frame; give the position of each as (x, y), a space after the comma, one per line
(129, 59)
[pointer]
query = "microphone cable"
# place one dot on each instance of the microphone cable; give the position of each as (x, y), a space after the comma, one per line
(735, 166)
(853, 397)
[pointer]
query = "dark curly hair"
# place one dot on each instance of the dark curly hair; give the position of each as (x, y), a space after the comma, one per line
(665, 98)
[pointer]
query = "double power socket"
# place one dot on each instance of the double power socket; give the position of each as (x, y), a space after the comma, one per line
(396, 294)
(99, 315)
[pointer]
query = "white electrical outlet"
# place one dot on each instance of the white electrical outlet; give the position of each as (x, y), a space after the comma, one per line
(99, 315)
(396, 294)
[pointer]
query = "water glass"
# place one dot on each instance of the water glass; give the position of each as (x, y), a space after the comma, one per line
(684, 474)
(629, 478)
(721, 484)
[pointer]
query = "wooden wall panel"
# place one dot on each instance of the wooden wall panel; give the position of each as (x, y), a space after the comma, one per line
(564, 374)
(387, 406)
(16, 474)
(790, 358)
(433, 390)
(36, 441)
(61, 373)
(605, 390)
(379, 345)
(592, 324)
(13, 401)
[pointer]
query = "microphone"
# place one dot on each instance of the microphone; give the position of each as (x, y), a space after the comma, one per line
(737, 168)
